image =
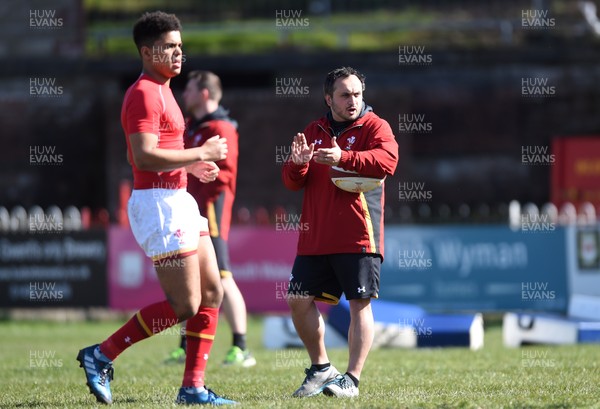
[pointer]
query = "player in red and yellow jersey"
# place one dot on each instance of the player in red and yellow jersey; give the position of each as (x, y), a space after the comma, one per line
(164, 218)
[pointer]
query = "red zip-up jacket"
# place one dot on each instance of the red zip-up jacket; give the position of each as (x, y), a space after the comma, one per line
(335, 221)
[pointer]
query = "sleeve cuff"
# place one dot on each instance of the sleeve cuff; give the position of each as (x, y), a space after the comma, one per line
(343, 162)
(297, 168)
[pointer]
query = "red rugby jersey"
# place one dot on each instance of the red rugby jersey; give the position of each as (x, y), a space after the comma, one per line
(150, 107)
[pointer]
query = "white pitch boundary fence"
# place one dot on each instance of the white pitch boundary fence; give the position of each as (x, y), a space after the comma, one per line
(567, 215)
(36, 219)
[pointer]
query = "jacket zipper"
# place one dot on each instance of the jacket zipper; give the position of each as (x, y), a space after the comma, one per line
(332, 134)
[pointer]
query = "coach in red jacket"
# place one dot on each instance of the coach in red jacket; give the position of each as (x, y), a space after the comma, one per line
(341, 249)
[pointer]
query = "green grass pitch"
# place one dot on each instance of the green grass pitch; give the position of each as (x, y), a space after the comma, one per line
(38, 370)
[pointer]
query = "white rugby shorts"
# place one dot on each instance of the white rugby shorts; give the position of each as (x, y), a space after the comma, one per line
(166, 223)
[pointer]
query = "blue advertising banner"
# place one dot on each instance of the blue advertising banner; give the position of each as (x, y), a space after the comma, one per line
(475, 268)
(583, 259)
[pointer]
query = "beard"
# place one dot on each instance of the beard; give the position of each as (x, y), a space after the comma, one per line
(345, 114)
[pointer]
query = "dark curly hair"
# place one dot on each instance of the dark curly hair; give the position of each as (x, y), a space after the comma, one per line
(152, 25)
(341, 72)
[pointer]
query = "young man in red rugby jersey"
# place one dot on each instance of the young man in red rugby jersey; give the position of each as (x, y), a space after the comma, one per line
(342, 248)
(202, 96)
(164, 218)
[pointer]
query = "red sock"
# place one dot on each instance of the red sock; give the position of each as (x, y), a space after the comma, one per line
(148, 321)
(200, 331)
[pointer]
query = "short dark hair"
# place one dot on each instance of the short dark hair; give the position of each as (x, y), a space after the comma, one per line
(152, 25)
(209, 81)
(341, 72)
